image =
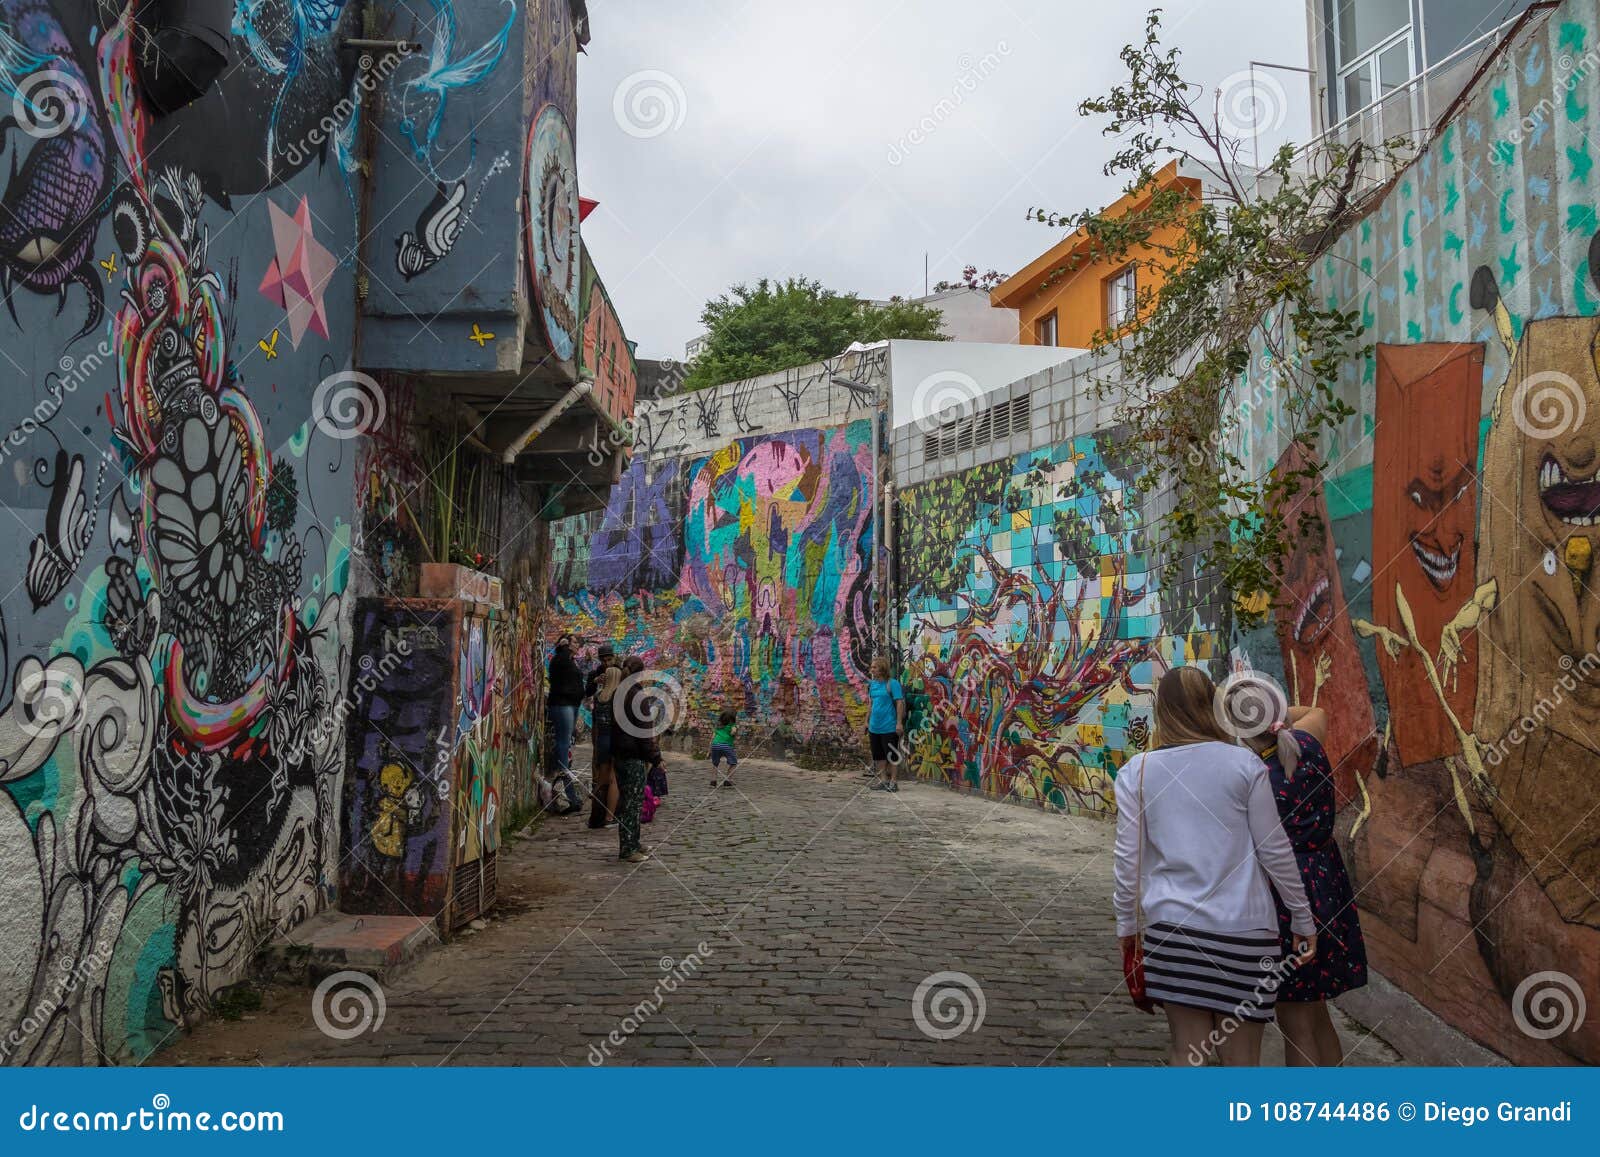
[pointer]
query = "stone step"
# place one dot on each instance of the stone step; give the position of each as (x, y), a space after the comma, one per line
(381, 946)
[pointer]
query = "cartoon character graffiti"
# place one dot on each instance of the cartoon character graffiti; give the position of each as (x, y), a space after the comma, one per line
(54, 200)
(1320, 659)
(1538, 703)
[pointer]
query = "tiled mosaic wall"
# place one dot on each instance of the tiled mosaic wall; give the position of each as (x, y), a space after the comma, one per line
(1032, 625)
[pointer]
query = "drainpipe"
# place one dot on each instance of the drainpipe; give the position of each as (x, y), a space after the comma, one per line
(890, 632)
(563, 404)
(878, 507)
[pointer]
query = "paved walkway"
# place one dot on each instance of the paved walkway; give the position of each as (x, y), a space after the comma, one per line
(821, 908)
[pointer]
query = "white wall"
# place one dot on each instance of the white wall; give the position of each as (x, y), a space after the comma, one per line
(929, 377)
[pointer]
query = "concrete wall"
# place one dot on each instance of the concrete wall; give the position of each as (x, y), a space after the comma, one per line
(1032, 622)
(934, 378)
(736, 554)
(174, 636)
(1445, 611)
(195, 468)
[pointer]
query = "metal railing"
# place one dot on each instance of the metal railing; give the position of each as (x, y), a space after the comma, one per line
(1410, 113)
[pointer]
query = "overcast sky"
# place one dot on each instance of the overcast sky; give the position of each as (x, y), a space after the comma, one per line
(730, 139)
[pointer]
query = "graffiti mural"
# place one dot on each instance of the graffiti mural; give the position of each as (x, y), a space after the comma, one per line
(1033, 626)
(396, 833)
(1460, 509)
(54, 198)
(550, 197)
(747, 573)
(1322, 666)
(170, 744)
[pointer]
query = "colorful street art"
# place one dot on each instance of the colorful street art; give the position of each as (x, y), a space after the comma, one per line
(550, 198)
(747, 574)
(170, 745)
(1033, 626)
(1459, 542)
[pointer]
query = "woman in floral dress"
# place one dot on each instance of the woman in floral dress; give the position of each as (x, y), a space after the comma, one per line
(1302, 784)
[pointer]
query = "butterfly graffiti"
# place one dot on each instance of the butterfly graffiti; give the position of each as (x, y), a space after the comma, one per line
(440, 223)
(57, 550)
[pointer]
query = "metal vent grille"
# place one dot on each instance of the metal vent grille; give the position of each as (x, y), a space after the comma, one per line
(468, 900)
(968, 433)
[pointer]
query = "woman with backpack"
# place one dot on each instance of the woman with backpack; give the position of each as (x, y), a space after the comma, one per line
(1199, 850)
(634, 746)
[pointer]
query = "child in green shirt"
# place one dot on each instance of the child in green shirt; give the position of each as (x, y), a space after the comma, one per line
(722, 748)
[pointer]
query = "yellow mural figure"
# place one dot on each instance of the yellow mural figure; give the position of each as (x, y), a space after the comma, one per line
(1538, 709)
(389, 830)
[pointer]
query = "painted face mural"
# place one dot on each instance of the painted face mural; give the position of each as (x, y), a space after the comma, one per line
(1322, 666)
(1538, 711)
(1424, 523)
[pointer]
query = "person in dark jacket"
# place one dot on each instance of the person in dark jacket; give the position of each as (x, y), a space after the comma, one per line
(600, 688)
(565, 683)
(635, 748)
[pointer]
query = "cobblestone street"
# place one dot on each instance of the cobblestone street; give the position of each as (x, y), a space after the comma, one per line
(821, 905)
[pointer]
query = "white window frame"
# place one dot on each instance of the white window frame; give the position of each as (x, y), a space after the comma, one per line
(1129, 312)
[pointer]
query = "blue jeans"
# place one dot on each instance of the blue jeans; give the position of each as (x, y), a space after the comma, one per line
(564, 717)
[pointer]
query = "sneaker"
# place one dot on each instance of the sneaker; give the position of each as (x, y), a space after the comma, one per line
(726, 783)
(893, 786)
(638, 857)
(716, 783)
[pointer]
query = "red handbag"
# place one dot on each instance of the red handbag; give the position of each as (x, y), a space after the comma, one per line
(1133, 974)
(1133, 948)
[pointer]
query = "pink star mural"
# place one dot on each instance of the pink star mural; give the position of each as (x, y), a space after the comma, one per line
(299, 274)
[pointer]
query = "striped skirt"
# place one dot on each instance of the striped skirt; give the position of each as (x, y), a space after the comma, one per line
(1234, 973)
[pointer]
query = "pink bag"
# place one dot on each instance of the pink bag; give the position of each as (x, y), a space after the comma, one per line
(647, 810)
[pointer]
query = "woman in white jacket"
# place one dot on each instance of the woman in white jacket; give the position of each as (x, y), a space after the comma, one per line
(1198, 839)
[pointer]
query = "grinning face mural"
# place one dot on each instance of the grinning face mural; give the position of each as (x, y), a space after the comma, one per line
(1321, 663)
(1538, 710)
(1424, 518)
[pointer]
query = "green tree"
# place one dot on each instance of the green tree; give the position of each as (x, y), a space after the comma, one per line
(774, 325)
(1239, 292)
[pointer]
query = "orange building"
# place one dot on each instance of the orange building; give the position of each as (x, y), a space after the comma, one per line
(1069, 293)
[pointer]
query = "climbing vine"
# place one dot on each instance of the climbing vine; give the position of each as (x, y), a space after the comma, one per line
(1226, 318)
